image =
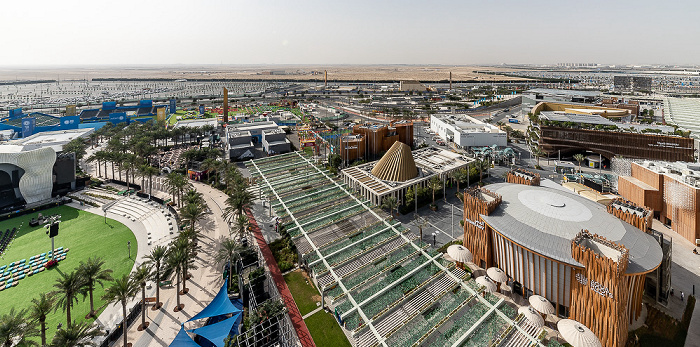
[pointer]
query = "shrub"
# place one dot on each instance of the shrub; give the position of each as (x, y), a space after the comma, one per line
(285, 266)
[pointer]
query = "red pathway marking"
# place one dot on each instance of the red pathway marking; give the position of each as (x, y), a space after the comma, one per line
(299, 325)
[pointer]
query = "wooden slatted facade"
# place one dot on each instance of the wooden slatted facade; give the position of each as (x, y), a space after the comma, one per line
(600, 292)
(525, 177)
(642, 222)
(478, 201)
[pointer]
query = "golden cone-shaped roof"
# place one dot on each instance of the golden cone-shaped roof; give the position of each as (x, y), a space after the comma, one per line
(396, 165)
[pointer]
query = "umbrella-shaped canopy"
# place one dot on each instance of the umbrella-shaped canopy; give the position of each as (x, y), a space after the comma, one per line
(532, 316)
(486, 282)
(541, 304)
(577, 334)
(459, 253)
(497, 275)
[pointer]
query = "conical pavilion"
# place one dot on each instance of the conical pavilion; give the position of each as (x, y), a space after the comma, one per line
(396, 165)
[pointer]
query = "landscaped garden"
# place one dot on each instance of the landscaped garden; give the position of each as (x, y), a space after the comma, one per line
(85, 235)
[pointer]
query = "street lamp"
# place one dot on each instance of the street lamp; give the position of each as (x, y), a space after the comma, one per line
(128, 245)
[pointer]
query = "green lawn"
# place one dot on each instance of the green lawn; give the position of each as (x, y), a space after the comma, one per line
(325, 330)
(305, 295)
(86, 235)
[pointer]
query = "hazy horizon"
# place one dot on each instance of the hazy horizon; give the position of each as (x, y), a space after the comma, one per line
(77, 33)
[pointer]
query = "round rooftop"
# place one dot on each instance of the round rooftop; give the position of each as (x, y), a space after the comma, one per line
(546, 220)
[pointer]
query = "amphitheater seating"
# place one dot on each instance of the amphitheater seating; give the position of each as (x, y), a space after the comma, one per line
(153, 217)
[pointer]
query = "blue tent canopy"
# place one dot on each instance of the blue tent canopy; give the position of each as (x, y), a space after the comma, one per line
(183, 340)
(219, 306)
(217, 332)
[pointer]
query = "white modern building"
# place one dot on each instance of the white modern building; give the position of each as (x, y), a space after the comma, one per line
(30, 168)
(274, 141)
(466, 131)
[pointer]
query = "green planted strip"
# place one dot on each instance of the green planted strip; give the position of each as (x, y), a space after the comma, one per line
(408, 334)
(461, 325)
(486, 331)
(378, 267)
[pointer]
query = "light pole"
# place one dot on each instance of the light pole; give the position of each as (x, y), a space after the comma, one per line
(128, 245)
(453, 220)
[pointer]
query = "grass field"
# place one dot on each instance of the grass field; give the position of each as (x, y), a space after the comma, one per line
(86, 235)
(305, 295)
(325, 330)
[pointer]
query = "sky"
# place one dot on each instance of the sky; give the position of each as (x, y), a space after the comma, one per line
(191, 32)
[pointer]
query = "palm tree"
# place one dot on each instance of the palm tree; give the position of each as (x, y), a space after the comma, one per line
(156, 259)
(148, 171)
(241, 224)
(40, 308)
(15, 329)
(420, 223)
(390, 203)
(191, 214)
(227, 253)
(174, 262)
(68, 286)
(76, 335)
(459, 176)
(537, 152)
(140, 276)
(93, 272)
(579, 158)
(435, 184)
(193, 197)
(121, 290)
(210, 164)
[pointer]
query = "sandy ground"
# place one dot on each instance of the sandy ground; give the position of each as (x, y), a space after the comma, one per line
(279, 72)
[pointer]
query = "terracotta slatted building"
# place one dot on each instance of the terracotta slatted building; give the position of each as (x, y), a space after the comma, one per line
(671, 190)
(536, 236)
(368, 141)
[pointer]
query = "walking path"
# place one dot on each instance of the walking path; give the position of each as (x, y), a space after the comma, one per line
(294, 314)
(312, 312)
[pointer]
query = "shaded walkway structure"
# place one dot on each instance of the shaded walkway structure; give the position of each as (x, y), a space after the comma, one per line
(385, 286)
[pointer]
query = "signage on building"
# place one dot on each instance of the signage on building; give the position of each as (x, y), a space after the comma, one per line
(667, 145)
(28, 125)
(594, 285)
(477, 224)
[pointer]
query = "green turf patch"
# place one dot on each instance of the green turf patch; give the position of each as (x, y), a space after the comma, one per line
(325, 330)
(86, 235)
(305, 295)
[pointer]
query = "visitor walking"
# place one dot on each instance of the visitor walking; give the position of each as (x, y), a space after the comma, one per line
(682, 296)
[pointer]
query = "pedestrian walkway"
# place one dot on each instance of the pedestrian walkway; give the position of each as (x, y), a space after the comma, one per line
(312, 312)
(294, 314)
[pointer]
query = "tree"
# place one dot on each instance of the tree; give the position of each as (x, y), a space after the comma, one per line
(435, 184)
(121, 290)
(191, 214)
(209, 165)
(68, 286)
(93, 272)
(15, 328)
(420, 223)
(77, 147)
(334, 160)
(459, 176)
(76, 335)
(40, 308)
(537, 152)
(156, 260)
(149, 171)
(140, 276)
(175, 261)
(579, 158)
(228, 252)
(390, 203)
(241, 223)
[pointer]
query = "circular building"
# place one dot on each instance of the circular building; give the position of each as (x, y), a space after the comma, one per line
(571, 250)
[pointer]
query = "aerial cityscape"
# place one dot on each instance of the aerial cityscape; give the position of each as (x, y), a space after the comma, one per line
(248, 174)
